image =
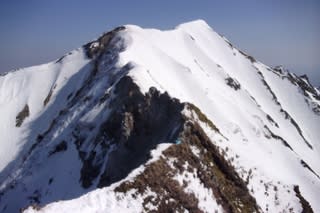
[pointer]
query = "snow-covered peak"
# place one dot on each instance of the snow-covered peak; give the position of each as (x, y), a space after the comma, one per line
(200, 23)
(196, 24)
(107, 105)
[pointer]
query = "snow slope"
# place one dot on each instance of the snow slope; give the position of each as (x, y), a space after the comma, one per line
(195, 61)
(31, 86)
(266, 118)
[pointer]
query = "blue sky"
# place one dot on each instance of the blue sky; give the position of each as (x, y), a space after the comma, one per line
(273, 31)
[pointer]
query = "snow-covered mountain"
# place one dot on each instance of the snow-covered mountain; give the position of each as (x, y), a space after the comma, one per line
(143, 120)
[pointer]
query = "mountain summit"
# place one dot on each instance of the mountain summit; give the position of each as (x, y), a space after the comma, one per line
(143, 120)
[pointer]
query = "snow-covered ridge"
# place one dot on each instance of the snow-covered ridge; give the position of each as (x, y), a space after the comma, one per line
(58, 119)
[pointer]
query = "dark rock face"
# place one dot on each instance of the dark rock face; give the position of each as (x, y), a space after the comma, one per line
(279, 69)
(305, 85)
(97, 48)
(252, 59)
(136, 125)
(47, 99)
(309, 92)
(63, 146)
(22, 115)
(233, 83)
(306, 208)
(210, 166)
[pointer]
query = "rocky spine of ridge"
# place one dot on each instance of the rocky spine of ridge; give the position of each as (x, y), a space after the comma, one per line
(138, 123)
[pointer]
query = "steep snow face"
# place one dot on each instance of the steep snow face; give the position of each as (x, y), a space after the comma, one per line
(74, 120)
(35, 87)
(196, 63)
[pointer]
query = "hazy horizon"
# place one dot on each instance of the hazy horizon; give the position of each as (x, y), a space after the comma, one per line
(275, 33)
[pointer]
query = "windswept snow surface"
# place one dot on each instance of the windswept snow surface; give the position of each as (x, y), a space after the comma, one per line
(192, 63)
(31, 86)
(266, 123)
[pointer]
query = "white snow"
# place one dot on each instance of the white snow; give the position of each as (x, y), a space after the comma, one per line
(106, 199)
(191, 63)
(195, 61)
(31, 86)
